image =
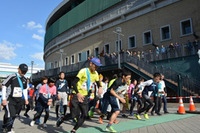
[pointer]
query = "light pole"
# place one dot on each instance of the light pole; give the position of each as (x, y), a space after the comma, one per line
(61, 59)
(118, 31)
(61, 52)
(32, 62)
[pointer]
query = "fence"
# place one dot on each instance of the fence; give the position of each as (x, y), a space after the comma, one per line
(190, 86)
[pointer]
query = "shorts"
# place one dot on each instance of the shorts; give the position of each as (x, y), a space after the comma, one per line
(63, 96)
(109, 99)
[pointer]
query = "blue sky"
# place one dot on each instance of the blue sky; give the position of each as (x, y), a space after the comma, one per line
(22, 30)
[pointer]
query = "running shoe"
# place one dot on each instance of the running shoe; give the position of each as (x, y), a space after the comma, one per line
(124, 116)
(26, 115)
(138, 117)
(32, 123)
(100, 120)
(131, 114)
(159, 114)
(111, 129)
(90, 113)
(44, 125)
(59, 121)
(116, 122)
(146, 116)
(38, 121)
(73, 132)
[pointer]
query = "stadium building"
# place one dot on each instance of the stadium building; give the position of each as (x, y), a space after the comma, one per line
(79, 29)
(82, 28)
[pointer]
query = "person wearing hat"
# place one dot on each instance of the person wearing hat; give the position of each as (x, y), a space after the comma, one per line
(83, 85)
(13, 88)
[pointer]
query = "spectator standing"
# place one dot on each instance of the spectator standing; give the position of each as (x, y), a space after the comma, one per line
(171, 50)
(163, 52)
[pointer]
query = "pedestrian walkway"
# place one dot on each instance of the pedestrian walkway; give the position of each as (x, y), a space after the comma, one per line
(143, 124)
(167, 123)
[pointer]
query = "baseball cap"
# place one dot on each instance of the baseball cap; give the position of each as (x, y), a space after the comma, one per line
(96, 61)
(23, 67)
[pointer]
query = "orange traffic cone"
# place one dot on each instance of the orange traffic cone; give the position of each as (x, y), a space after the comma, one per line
(97, 106)
(192, 107)
(181, 106)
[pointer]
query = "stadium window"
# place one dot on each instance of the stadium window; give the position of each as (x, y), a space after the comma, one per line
(67, 61)
(79, 57)
(132, 42)
(96, 51)
(88, 54)
(107, 48)
(186, 27)
(147, 38)
(51, 65)
(72, 59)
(116, 45)
(56, 64)
(165, 32)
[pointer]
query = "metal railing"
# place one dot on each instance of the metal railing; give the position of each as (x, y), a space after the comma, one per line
(191, 86)
(169, 53)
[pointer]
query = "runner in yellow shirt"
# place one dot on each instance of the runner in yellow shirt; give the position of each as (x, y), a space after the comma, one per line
(83, 86)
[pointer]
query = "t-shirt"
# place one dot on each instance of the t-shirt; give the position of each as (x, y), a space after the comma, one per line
(131, 91)
(162, 83)
(117, 86)
(38, 87)
(52, 90)
(12, 83)
(104, 87)
(82, 83)
(62, 86)
(111, 82)
(149, 87)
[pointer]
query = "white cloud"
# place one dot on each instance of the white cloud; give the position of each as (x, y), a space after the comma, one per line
(41, 31)
(19, 45)
(32, 25)
(7, 50)
(38, 37)
(37, 56)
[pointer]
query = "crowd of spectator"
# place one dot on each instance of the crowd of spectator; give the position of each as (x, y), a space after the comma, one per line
(158, 52)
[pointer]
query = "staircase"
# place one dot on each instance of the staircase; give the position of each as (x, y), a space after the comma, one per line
(181, 84)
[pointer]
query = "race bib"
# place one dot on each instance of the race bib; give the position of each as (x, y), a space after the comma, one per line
(84, 86)
(17, 92)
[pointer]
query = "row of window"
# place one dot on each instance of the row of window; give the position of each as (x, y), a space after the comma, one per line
(165, 34)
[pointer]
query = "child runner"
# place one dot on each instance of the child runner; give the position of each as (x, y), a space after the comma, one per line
(62, 89)
(149, 87)
(110, 98)
(46, 94)
(132, 87)
(38, 87)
